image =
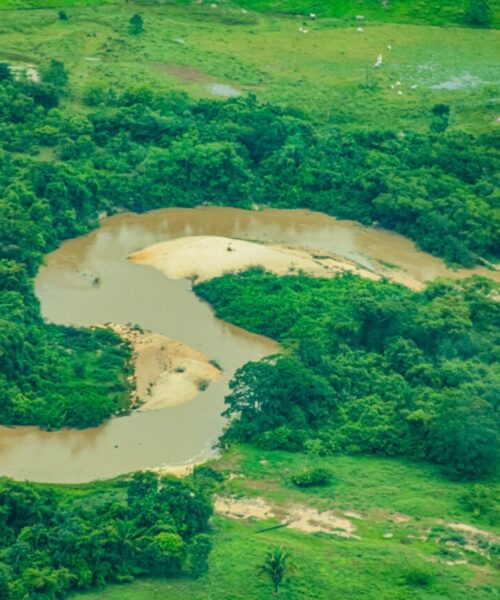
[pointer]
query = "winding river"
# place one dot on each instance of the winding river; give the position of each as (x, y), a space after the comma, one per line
(136, 294)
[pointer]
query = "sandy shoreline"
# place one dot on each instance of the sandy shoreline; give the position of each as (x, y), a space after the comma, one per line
(166, 372)
(177, 471)
(206, 257)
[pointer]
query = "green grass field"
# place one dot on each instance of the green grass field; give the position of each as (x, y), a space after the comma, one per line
(410, 501)
(327, 72)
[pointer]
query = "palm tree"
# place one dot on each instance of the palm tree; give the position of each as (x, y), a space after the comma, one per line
(276, 566)
(124, 537)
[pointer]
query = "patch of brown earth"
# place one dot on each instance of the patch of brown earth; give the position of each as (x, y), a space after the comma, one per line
(470, 530)
(184, 73)
(353, 515)
(243, 508)
(399, 518)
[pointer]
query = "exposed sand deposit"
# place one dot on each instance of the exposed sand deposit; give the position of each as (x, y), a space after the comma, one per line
(206, 257)
(167, 372)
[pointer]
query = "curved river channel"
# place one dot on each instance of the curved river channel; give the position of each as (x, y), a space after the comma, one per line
(131, 293)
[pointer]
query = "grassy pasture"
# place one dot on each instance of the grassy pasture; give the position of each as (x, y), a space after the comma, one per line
(40, 4)
(373, 567)
(437, 12)
(327, 72)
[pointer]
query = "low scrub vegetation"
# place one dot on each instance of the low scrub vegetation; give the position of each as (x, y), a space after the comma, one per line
(312, 478)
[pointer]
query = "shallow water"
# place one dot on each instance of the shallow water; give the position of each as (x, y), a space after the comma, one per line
(458, 83)
(130, 293)
(224, 90)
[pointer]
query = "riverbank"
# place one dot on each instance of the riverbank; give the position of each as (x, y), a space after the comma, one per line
(167, 372)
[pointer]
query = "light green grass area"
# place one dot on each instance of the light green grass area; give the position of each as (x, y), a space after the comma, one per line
(327, 72)
(410, 501)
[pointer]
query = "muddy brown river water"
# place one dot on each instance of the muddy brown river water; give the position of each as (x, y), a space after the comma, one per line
(130, 293)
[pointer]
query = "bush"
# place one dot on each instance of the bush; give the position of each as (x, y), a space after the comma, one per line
(312, 478)
(479, 13)
(206, 478)
(481, 501)
(418, 577)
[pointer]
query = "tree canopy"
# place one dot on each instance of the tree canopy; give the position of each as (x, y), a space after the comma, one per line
(369, 367)
(57, 540)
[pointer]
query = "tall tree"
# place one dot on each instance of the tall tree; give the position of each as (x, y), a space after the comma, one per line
(440, 118)
(136, 24)
(5, 73)
(55, 75)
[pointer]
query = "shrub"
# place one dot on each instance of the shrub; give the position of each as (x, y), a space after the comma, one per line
(312, 477)
(418, 577)
(481, 501)
(206, 478)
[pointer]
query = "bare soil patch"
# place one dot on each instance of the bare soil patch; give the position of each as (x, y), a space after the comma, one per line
(184, 73)
(302, 518)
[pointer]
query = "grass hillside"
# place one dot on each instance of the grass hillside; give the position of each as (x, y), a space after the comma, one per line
(402, 518)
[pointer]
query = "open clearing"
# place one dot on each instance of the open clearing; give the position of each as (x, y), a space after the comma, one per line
(300, 517)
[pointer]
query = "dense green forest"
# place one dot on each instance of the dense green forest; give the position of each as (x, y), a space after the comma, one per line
(57, 539)
(138, 151)
(371, 367)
